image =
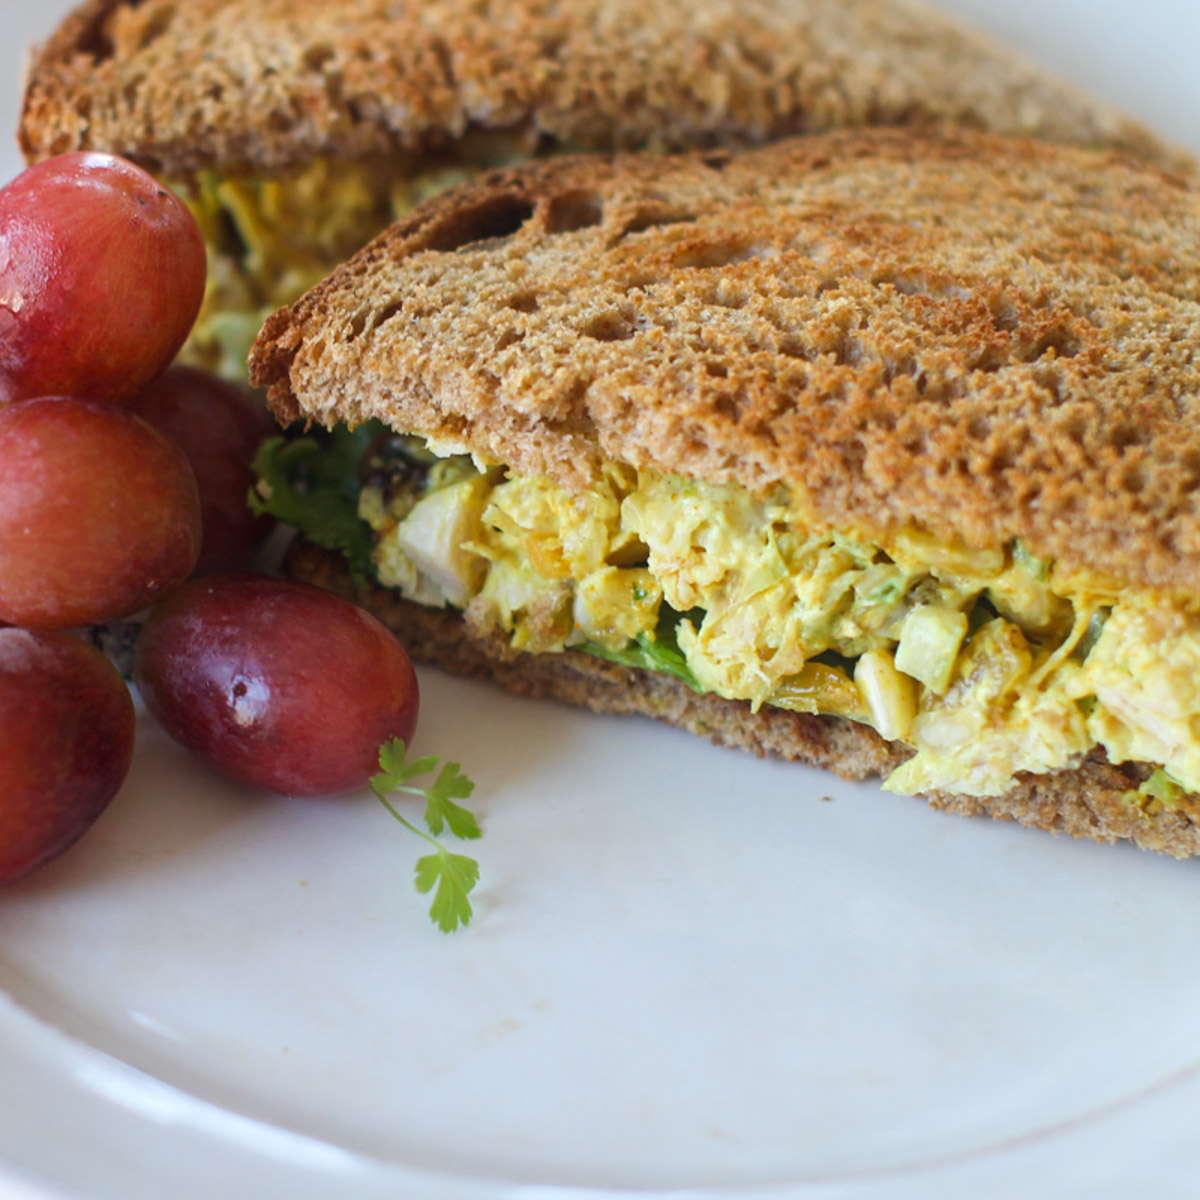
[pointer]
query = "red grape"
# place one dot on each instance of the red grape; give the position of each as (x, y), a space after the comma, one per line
(219, 429)
(101, 276)
(99, 513)
(66, 741)
(277, 683)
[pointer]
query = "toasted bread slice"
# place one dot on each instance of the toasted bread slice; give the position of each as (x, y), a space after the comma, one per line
(298, 129)
(264, 86)
(995, 339)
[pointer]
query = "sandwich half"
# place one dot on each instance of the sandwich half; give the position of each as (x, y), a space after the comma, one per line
(878, 450)
(299, 129)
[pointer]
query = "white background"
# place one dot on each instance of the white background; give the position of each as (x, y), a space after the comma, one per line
(689, 971)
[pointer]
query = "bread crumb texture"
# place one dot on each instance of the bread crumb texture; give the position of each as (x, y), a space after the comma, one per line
(994, 338)
(264, 85)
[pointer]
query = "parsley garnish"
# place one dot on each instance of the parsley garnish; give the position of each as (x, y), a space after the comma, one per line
(454, 875)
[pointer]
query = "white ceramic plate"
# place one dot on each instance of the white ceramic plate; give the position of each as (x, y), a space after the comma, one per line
(689, 972)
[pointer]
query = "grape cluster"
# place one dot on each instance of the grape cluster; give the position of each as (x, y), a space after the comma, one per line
(123, 483)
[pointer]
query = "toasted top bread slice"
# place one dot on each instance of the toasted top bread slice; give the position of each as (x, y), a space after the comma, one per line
(261, 86)
(997, 339)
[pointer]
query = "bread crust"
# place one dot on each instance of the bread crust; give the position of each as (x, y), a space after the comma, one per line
(264, 85)
(1087, 802)
(998, 339)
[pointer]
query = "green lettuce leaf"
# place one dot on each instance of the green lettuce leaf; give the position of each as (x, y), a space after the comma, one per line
(311, 482)
(657, 651)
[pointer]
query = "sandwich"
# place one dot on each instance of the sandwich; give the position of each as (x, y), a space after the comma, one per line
(299, 129)
(877, 450)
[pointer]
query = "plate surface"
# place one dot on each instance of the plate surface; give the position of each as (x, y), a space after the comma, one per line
(689, 971)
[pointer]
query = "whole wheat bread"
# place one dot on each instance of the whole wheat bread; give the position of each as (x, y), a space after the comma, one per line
(264, 85)
(999, 339)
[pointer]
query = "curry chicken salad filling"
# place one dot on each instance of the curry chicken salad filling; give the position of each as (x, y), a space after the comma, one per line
(270, 240)
(987, 663)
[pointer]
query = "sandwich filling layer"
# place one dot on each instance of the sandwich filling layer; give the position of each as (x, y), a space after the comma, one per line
(271, 239)
(988, 663)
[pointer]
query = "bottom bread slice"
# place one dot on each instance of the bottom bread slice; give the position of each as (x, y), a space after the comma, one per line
(1092, 800)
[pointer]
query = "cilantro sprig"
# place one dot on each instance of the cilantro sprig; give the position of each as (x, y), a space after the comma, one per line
(453, 875)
